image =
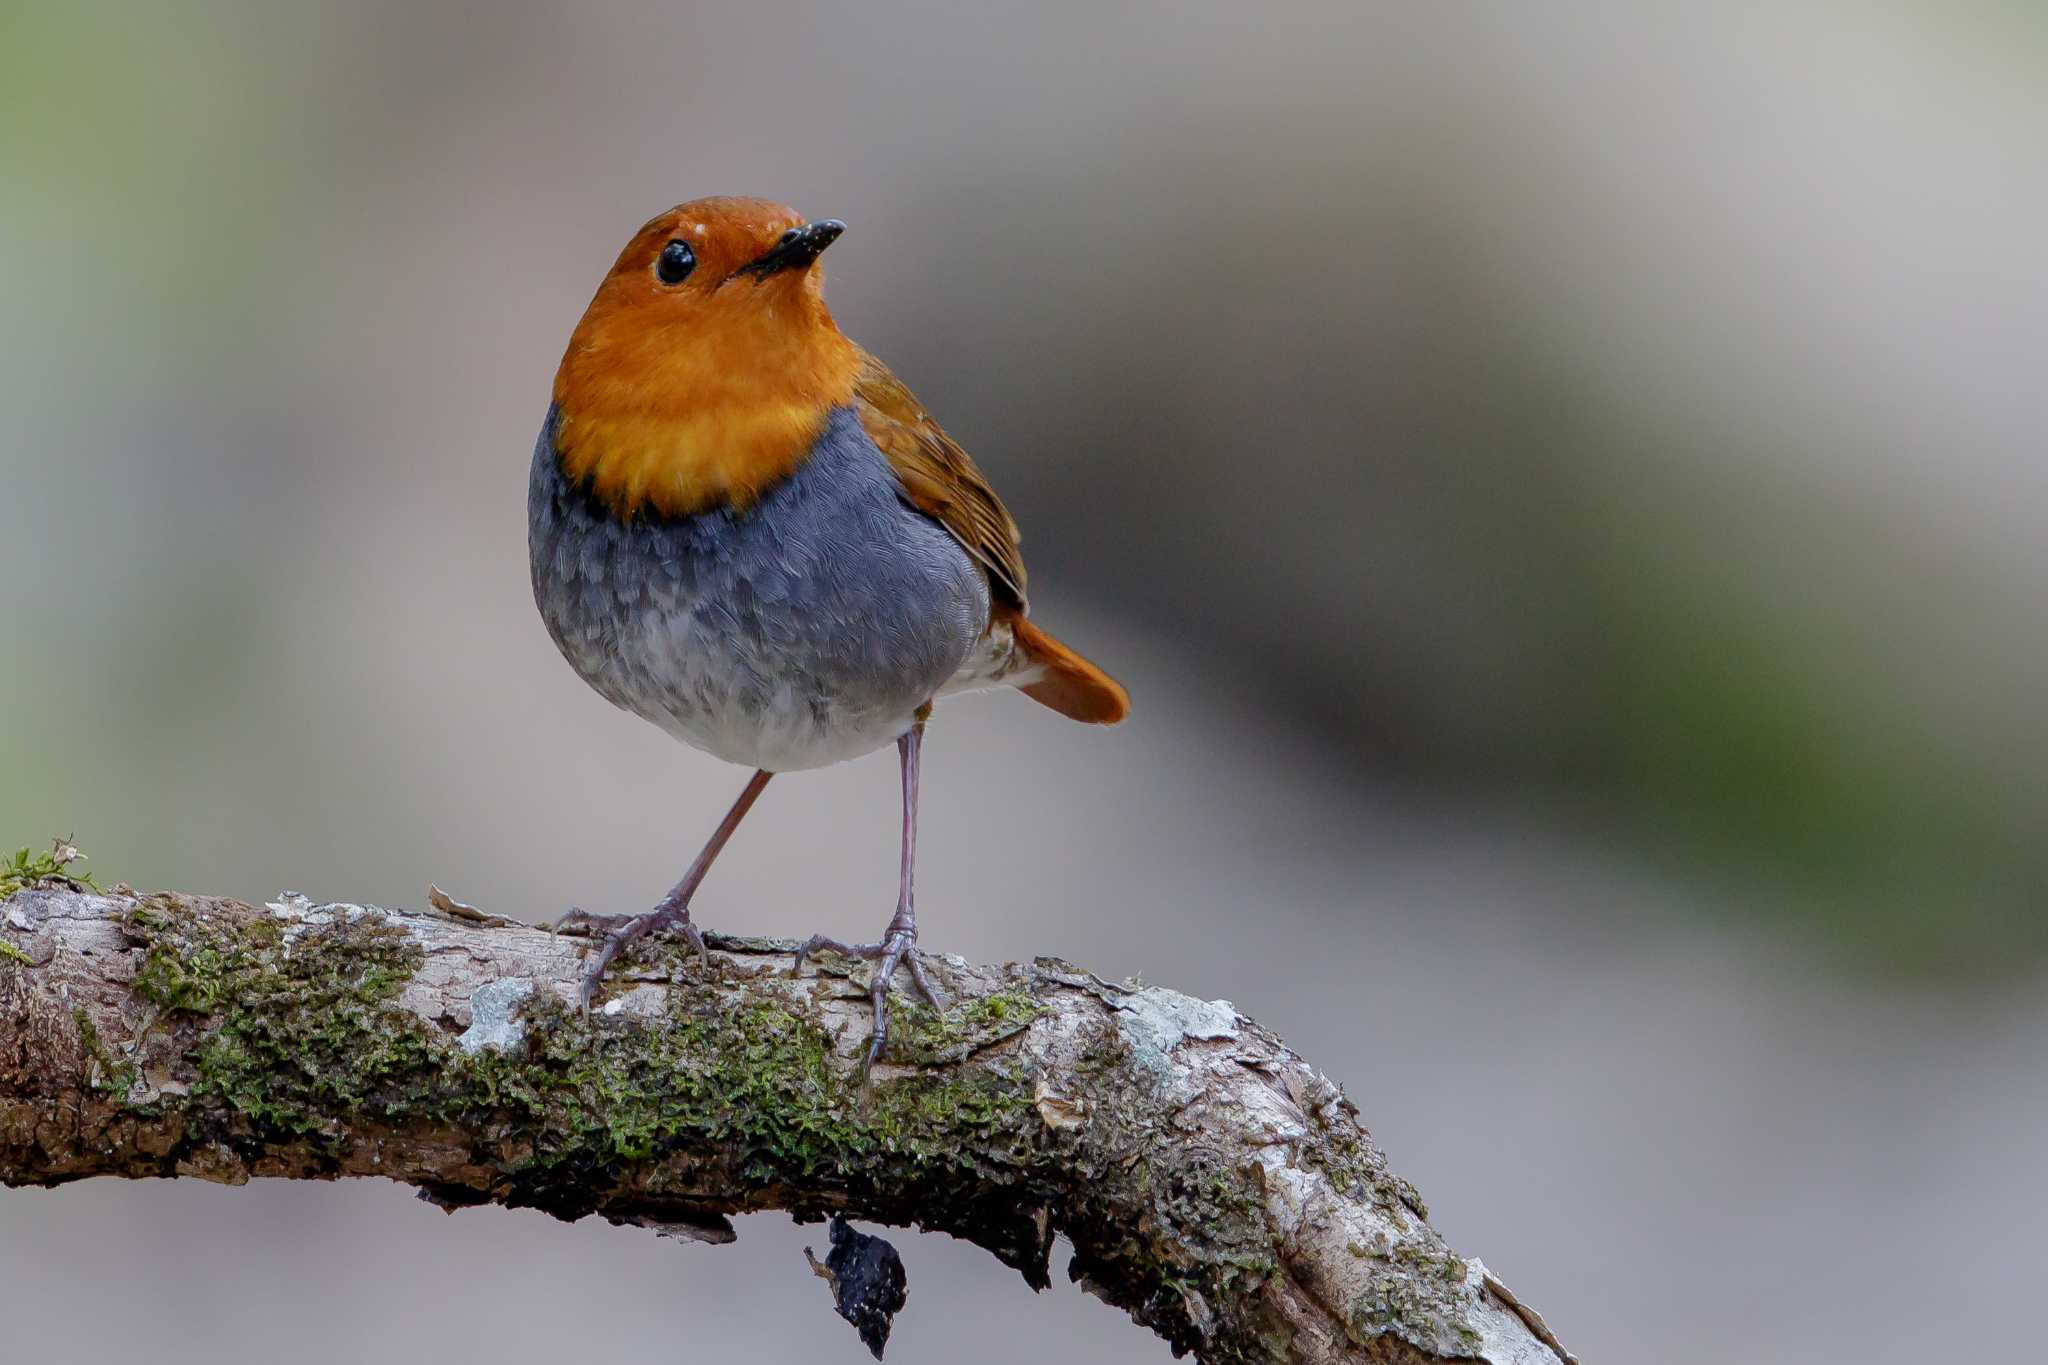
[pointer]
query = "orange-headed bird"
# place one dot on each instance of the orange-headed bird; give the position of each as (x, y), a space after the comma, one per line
(745, 529)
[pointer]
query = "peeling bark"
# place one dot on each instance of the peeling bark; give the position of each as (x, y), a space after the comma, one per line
(1210, 1181)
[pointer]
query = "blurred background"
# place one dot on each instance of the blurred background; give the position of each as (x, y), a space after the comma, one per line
(1563, 483)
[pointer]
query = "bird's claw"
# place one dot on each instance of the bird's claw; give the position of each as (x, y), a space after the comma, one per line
(897, 948)
(620, 932)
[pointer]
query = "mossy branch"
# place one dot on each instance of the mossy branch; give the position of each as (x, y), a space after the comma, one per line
(1210, 1182)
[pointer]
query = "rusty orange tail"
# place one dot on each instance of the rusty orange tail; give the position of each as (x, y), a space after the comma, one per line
(1069, 684)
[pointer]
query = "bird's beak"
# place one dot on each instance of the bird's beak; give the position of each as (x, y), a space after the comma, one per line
(798, 248)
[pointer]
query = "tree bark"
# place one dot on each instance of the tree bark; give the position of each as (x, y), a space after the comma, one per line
(1210, 1182)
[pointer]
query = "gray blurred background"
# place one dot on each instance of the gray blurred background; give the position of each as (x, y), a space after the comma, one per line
(1563, 483)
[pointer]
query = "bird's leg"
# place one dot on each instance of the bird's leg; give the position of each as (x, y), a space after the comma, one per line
(674, 910)
(898, 946)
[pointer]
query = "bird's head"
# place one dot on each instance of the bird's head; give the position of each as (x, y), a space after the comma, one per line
(707, 363)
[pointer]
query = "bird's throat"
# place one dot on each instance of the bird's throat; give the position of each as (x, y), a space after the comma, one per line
(678, 430)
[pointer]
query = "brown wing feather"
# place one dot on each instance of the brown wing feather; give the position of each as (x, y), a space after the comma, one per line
(939, 478)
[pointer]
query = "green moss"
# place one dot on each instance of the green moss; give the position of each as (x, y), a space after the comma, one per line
(922, 1036)
(1411, 1308)
(1438, 1262)
(108, 1074)
(192, 965)
(1416, 1290)
(758, 1083)
(1198, 1261)
(25, 869)
(10, 953)
(314, 1032)
(308, 1032)
(307, 1029)
(1353, 1165)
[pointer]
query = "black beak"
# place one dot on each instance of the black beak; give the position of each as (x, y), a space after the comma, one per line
(798, 248)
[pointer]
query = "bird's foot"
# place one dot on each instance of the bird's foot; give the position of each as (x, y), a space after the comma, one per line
(621, 931)
(897, 948)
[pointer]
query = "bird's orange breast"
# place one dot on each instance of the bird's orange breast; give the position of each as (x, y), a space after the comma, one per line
(680, 415)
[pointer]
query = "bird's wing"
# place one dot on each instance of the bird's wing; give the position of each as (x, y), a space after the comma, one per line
(939, 478)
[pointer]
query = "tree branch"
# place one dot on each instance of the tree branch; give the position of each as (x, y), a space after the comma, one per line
(1211, 1183)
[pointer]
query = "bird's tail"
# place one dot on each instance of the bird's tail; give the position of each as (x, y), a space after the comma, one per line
(1066, 682)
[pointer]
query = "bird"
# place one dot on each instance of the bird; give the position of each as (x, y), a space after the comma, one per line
(744, 528)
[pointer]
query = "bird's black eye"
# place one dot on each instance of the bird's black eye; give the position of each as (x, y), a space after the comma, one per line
(675, 263)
